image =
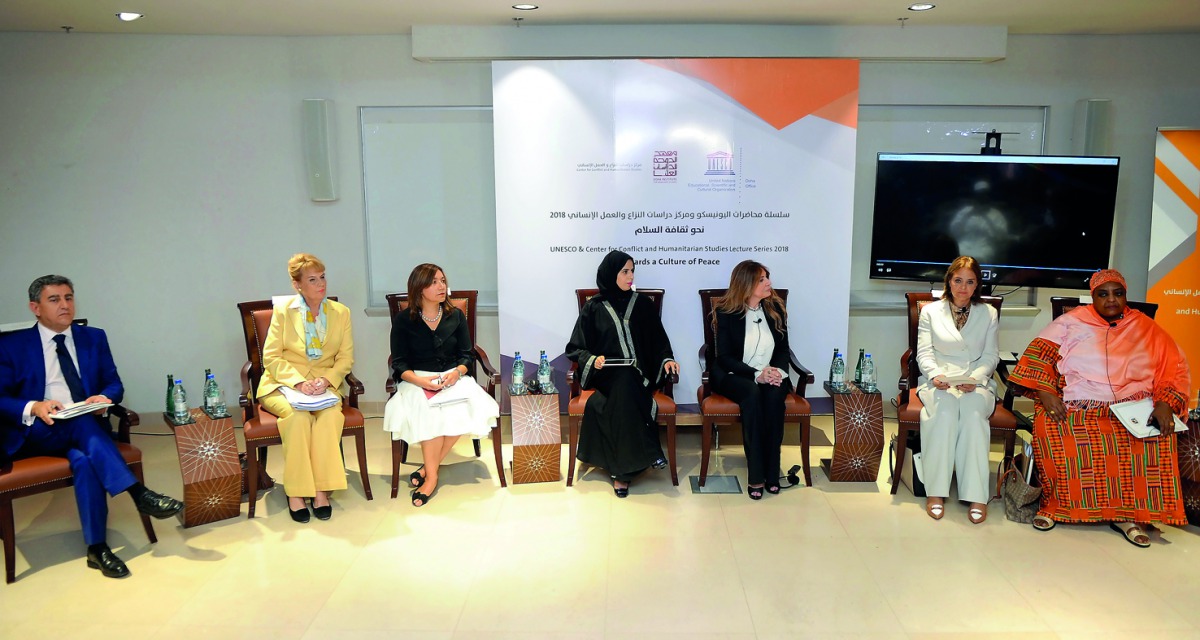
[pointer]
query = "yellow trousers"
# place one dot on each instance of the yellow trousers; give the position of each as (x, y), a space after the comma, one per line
(312, 456)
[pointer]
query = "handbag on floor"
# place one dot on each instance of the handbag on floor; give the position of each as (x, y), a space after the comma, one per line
(1021, 501)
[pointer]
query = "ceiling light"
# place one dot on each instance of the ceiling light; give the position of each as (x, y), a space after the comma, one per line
(921, 6)
(129, 16)
(525, 7)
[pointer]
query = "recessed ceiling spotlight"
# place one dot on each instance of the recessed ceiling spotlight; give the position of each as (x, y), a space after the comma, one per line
(129, 16)
(921, 6)
(525, 7)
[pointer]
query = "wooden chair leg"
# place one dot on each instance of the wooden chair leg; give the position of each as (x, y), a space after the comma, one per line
(901, 449)
(670, 420)
(706, 438)
(572, 446)
(137, 473)
(1010, 442)
(805, 439)
(478, 452)
(252, 478)
(360, 443)
(404, 453)
(7, 530)
(497, 447)
(397, 455)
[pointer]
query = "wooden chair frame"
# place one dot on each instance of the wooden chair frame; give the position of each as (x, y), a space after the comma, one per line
(39, 474)
(256, 319)
(908, 409)
(465, 301)
(716, 409)
(664, 398)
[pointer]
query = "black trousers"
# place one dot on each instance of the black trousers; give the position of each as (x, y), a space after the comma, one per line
(762, 425)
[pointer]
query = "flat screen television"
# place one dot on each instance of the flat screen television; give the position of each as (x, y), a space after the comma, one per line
(1036, 221)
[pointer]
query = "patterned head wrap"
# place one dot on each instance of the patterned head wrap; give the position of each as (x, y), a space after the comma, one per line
(1106, 275)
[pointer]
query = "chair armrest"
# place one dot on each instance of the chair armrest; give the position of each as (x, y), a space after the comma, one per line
(356, 388)
(246, 397)
(703, 390)
(126, 420)
(485, 363)
(573, 380)
(907, 380)
(805, 376)
(390, 387)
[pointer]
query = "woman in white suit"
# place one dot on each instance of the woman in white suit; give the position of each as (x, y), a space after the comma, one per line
(956, 340)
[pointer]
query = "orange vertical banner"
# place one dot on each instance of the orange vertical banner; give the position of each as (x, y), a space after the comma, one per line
(1174, 274)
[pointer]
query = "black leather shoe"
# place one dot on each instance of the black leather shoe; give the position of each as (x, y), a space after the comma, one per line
(299, 515)
(661, 463)
(108, 563)
(158, 505)
(323, 513)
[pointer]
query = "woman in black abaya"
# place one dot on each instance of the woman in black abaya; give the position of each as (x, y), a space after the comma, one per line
(619, 432)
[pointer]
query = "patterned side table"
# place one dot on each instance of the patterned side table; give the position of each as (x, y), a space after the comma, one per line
(537, 439)
(212, 474)
(857, 435)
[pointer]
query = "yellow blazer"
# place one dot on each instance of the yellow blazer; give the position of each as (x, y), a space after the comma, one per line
(285, 361)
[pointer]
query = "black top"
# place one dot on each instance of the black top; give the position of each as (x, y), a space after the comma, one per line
(725, 355)
(633, 332)
(415, 347)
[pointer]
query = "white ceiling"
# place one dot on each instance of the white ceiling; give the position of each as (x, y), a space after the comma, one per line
(362, 17)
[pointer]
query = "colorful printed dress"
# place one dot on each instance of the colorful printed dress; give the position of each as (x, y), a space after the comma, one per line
(1090, 467)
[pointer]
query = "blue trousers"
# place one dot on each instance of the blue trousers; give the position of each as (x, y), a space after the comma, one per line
(95, 461)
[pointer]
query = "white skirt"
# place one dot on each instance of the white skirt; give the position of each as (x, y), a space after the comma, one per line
(409, 417)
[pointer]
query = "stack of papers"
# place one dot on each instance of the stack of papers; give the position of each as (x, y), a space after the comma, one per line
(1135, 415)
(303, 402)
(447, 395)
(79, 408)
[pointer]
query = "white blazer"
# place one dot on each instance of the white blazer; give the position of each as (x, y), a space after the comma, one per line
(942, 349)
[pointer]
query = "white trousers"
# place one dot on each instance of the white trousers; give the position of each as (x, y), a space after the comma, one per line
(955, 438)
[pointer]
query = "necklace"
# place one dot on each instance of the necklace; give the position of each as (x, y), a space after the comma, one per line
(434, 319)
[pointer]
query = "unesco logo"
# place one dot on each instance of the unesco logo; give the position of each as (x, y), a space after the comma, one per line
(720, 163)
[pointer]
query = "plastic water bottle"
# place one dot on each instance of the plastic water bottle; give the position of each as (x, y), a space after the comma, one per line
(179, 406)
(837, 378)
(545, 383)
(858, 368)
(868, 375)
(169, 406)
(832, 364)
(213, 401)
(517, 387)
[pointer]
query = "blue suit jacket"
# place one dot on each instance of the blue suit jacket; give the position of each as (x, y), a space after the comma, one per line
(23, 377)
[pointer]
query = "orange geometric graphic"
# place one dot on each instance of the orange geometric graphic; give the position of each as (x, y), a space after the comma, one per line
(824, 88)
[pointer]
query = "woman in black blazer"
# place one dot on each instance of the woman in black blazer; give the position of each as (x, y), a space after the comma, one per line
(747, 363)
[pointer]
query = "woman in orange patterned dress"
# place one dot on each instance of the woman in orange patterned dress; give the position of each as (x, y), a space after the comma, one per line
(1091, 468)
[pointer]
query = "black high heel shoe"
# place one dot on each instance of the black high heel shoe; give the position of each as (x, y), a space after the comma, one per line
(415, 479)
(773, 488)
(755, 493)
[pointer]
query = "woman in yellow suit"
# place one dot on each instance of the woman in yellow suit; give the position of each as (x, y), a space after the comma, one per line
(309, 348)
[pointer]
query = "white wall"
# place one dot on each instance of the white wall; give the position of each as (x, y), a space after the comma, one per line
(164, 174)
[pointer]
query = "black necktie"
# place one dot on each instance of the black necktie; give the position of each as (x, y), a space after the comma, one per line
(70, 373)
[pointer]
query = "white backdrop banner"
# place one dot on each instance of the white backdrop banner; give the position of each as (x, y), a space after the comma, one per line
(690, 166)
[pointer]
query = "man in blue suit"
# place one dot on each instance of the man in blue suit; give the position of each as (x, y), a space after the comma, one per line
(43, 369)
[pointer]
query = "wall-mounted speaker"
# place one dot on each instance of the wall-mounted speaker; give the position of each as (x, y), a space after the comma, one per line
(1092, 135)
(318, 149)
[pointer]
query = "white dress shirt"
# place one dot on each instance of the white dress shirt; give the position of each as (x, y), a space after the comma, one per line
(760, 344)
(56, 384)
